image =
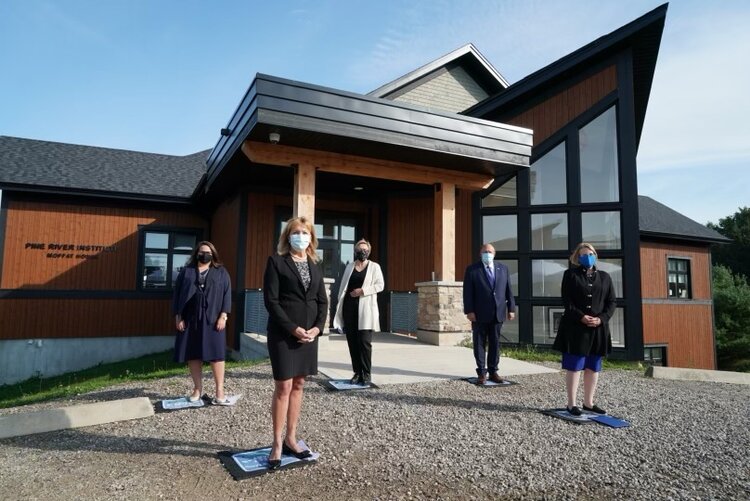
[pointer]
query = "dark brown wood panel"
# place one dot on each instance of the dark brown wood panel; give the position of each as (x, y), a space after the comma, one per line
(224, 225)
(71, 318)
(464, 253)
(75, 225)
(556, 111)
(654, 269)
(410, 241)
(261, 234)
(686, 329)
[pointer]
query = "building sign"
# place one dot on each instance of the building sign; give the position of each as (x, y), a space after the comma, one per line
(69, 251)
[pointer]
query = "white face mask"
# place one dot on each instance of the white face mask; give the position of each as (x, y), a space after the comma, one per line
(487, 257)
(299, 241)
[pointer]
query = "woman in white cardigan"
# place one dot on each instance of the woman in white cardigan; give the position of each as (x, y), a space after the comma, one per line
(357, 311)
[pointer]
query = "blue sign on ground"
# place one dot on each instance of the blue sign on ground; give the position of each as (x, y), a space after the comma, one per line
(345, 384)
(491, 384)
(255, 461)
(181, 403)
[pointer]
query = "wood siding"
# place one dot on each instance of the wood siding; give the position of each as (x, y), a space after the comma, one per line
(684, 326)
(687, 331)
(410, 240)
(224, 226)
(261, 234)
(48, 223)
(85, 318)
(654, 269)
(554, 112)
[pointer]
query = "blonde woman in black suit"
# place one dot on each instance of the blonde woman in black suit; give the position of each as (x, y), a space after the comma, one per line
(296, 301)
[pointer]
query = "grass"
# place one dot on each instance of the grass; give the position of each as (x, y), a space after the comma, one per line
(156, 366)
(534, 354)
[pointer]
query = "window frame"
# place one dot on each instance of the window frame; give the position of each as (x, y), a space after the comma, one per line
(171, 231)
(688, 275)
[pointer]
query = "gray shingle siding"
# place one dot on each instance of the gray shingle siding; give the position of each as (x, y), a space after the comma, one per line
(454, 91)
(73, 167)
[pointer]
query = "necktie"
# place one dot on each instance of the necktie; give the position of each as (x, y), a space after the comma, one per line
(490, 274)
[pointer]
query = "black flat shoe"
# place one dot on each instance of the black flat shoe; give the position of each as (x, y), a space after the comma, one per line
(356, 379)
(285, 449)
(575, 411)
(274, 464)
(595, 409)
(365, 380)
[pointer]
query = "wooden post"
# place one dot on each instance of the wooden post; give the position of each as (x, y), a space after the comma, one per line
(445, 232)
(304, 191)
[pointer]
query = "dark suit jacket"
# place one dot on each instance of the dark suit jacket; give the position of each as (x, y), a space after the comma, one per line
(489, 302)
(218, 291)
(288, 305)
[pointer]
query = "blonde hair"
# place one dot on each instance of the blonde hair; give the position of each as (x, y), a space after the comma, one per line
(363, 241)
(283, 248)
(582, 245)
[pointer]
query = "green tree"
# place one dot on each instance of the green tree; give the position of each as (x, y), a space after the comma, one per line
(732, 311)
(735, 255)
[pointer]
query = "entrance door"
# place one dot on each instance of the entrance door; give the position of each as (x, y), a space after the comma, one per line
(337, 235)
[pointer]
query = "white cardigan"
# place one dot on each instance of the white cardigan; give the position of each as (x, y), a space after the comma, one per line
(369, 315)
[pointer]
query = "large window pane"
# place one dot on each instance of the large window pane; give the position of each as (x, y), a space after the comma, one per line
(501, 232)
(549, 231)
(601, 229)
(617, 327)
(509, 332)
(503, 196)
(547, 178)
(157, 240)
(154, 270)
(599, 165)
(512, 265)
(545, 323)
(614, 268)
(184, 242)
(178, 263)
(547, 276)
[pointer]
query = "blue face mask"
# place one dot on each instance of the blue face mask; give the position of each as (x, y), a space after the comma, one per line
(299, 241)
(487, 257)
(587, 260)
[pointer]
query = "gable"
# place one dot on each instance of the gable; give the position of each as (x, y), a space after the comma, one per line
(452, 90)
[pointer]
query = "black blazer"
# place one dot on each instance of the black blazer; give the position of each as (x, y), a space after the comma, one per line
(580, 298)
(218, 291)
(288, 305)
(489, 302)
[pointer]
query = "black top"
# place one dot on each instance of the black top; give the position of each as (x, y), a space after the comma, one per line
(586, 295)
(357, 279)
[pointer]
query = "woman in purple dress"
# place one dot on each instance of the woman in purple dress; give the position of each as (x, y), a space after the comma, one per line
(201, 307)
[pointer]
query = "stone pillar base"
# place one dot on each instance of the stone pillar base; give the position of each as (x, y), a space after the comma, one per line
(440, 313)
(441, 338)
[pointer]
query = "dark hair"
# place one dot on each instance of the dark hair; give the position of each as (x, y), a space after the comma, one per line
(215, 262)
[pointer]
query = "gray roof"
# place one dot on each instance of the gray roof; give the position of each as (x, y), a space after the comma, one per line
(657, 220)
(29, 163)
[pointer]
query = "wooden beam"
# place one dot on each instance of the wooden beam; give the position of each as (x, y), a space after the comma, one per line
(445, 232)
(304, 191)
(353, 165)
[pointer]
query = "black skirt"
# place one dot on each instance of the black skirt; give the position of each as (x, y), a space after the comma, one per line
(290, 358)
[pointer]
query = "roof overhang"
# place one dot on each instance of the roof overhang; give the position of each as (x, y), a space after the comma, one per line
(319, 118)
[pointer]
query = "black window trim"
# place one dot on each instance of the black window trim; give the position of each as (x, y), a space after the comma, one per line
(689, 274)
(142, 251)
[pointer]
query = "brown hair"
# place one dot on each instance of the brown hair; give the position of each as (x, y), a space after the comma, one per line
(215, 262)
(283, 248)
(363, 241)
(583, 245)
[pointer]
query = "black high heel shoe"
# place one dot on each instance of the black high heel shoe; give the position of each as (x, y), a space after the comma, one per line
(274, 464)
(285, 449)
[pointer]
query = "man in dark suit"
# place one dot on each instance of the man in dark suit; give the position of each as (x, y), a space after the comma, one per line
(488, 301)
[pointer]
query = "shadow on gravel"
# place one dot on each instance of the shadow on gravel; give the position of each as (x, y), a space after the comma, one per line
(75, 440)
(128, 393)
(441, 402)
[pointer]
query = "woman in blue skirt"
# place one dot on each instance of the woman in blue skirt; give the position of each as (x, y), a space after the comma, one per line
(201, 307)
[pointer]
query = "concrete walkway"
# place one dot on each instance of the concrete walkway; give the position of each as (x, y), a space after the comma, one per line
(398, 359)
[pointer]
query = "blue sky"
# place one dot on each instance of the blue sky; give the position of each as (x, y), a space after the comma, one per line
(164, 76)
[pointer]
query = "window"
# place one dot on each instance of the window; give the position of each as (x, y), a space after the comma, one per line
(165, 254)
(546, 321)
(546, 275)
(601, 229)
(501, 232)
(655, 355)
(614, 268)
(547, 178)
(549, 231)
(502, 196)
(599, 164)
(678, 271)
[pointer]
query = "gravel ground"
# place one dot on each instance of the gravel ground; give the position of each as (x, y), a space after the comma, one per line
(440, 440)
